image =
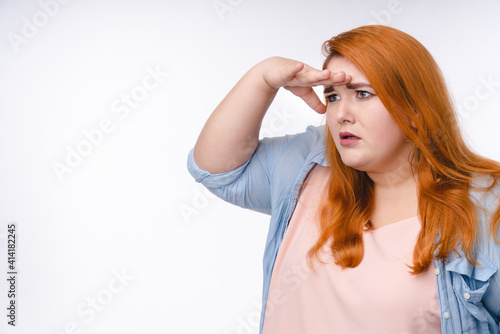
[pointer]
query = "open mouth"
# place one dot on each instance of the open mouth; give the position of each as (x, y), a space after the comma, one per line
(348, 135)
(347, 138)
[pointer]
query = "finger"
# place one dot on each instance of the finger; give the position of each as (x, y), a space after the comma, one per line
(337, 78)
(341, 78)
(313, 77)
(323, 75)
(312, 100)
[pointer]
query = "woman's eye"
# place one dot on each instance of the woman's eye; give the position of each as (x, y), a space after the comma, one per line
(332, 98)
(363, 94)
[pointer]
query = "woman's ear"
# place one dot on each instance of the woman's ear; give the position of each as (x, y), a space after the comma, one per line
(418, 119)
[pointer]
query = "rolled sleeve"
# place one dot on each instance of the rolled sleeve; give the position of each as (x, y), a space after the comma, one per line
(210, 180)
(268, 175)
(248, 185)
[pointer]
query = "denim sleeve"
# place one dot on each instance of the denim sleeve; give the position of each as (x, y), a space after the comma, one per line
(269, 174)
(248, 185)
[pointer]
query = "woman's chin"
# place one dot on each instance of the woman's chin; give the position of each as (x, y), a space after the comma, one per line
(358, 165)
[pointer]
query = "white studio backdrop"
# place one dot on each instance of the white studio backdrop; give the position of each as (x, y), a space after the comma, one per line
(100, 103)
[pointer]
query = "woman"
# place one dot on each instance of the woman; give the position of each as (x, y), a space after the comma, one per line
(391, 221)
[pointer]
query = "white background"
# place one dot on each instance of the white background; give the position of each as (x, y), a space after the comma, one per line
(192, 263)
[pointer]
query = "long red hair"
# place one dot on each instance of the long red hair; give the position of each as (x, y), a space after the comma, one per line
(410, 85)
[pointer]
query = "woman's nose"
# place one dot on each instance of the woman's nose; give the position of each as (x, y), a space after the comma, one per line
(343, 112)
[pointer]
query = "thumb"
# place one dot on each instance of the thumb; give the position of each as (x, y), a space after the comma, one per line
(290, 72)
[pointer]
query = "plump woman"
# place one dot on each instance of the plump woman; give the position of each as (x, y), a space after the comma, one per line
(382, 220)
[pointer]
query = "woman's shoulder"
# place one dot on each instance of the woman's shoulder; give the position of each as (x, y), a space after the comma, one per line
(485, 191)
(291, 153)
(293, 160)
(485, 194)
(312, 138)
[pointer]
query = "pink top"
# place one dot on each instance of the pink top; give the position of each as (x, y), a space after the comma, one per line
(378, 296)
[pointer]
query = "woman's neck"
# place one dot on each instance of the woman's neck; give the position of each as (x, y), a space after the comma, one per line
(395, 196)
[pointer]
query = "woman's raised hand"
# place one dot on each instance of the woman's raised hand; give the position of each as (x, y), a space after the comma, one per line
(231, 133)
(299, 78)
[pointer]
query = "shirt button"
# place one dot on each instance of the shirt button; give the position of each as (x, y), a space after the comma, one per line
(467, 295)
(446, 315)
(436, 271)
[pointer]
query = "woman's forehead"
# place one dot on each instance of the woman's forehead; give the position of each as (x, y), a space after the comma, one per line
(342, 64)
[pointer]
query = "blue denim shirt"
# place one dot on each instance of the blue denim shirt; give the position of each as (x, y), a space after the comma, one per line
(269, 181)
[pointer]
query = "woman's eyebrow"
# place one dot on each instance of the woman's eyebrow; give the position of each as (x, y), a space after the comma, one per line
(356, 85)
(328, 89)
(352, 85)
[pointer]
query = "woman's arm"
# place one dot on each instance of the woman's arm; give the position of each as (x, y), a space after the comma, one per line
(230, 135)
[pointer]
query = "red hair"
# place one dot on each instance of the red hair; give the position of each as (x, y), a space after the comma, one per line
(410, 85)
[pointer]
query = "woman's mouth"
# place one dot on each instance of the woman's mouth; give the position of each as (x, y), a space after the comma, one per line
(347, 138)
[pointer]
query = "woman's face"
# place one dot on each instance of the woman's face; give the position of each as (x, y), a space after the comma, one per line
(365, 134)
